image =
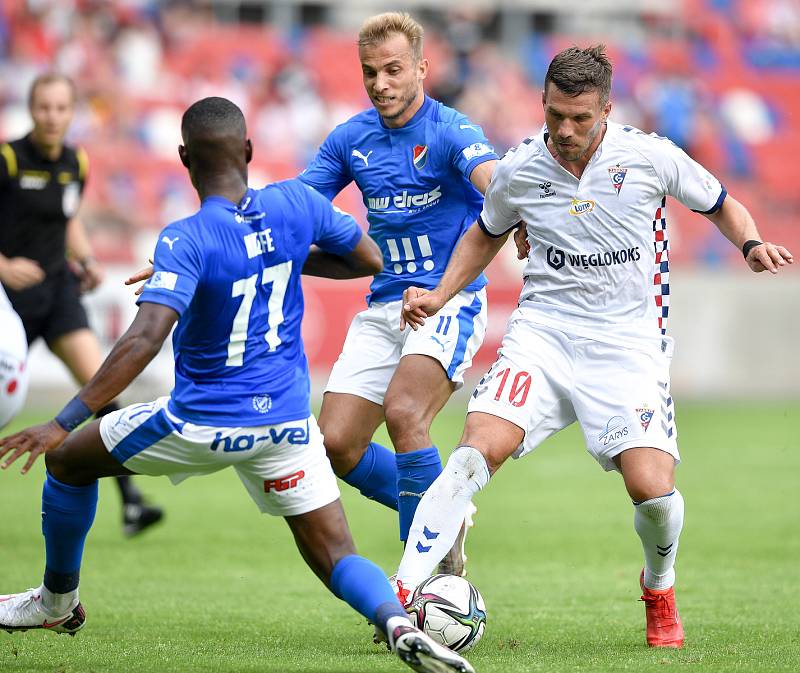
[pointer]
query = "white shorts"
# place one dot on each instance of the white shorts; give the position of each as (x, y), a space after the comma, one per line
(544, 380)
(375, 344)
(13, 367)
(283, 467)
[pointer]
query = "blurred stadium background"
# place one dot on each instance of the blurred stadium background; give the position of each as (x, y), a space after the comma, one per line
(721, 78)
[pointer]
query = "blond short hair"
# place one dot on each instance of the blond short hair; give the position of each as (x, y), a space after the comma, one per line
(50, 78)
(380, 27)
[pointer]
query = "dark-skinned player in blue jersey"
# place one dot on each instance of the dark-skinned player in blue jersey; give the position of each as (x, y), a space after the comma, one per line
(229, 276)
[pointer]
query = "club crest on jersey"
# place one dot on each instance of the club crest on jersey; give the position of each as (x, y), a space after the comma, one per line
(617, 175)
(579, 207)
(262, 403)
(645, 416)
(420, 154)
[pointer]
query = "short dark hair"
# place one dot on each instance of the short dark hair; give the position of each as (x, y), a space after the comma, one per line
(575, 70)
(213, 116)
(50, 78)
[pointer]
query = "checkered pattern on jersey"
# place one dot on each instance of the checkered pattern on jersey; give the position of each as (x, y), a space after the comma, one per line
(661, 271)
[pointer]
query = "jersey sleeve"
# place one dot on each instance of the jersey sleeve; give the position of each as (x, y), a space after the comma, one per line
(8, 163)
(329, 172)
(334, 230)
(498, 216)
(83, 167)
(685, 179)
(467, 146)
(177, 268)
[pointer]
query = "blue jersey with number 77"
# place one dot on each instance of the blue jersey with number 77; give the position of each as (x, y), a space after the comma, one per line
(232, 273)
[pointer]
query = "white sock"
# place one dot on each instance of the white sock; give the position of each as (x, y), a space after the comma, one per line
(440, 514)
(58, 604)
(658, 522)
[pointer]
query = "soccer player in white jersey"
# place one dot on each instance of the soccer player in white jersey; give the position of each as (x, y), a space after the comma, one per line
(589, 340)
(228, 279)
(13, 361)
(421, 168)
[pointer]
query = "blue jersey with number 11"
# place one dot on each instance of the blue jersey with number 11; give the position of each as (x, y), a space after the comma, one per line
(415, 184)
(232, 273)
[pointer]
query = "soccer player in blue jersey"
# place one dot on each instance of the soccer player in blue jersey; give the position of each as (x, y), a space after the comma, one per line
(229, 275)
(422, 168)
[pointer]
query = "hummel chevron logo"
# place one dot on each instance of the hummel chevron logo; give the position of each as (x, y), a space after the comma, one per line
(422, 548)
(170, 243)
(664, 551)
(365, 159)
(429, 534)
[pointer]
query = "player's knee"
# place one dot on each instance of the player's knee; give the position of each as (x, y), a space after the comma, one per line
(61, 464)
(343, 449)
(647, 487)
(403, 417)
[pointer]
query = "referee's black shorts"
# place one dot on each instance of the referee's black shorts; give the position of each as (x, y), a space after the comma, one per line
(51, 309)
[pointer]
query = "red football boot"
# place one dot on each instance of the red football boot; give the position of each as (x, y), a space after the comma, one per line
(664, 627)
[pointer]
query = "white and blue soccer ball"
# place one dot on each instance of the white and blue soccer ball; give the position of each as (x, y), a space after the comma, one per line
(450, 610)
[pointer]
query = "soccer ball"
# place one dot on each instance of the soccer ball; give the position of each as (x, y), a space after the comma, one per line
(450, 610)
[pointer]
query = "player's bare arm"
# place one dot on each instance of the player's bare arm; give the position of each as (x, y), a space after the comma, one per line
(471, 256)
(481, 175)
(737, 225)
(131, 354)
(364, 260)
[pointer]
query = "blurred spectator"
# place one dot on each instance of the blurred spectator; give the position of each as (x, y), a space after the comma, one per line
(139, 62)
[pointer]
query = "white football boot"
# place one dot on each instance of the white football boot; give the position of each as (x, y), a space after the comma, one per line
(455, 563)
(20, 612)
(419, 651)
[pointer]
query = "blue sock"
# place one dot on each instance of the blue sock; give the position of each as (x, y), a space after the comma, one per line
(67, 515)
(364, 587)
(416, 471)
(376, 475)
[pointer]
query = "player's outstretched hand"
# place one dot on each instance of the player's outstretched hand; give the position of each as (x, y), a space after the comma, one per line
(419, 304)
(141, 275)
(768, 257)
(521, 241)
(34, 441)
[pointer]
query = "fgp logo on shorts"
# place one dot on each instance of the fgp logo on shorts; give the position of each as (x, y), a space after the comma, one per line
(283, 483)
(245, 442)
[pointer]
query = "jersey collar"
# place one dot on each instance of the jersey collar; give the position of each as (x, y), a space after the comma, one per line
(246, 201)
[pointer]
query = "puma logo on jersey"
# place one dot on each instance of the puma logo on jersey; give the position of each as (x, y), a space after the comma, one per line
(365, 159)
(170, 243)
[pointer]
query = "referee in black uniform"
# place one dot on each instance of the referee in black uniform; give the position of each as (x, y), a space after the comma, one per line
(41, 182)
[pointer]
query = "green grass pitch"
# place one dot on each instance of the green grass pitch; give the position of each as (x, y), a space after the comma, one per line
(219, 587)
